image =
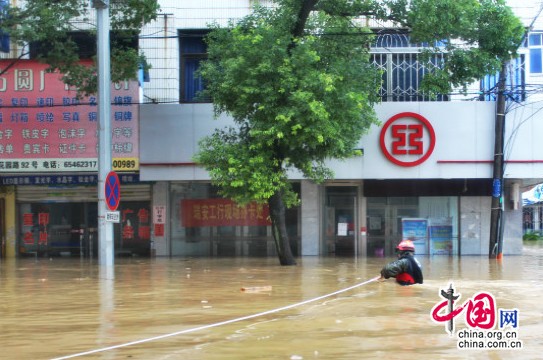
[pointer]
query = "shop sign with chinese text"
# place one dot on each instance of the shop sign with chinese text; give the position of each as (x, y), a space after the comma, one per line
(222, 212)
(45, 127)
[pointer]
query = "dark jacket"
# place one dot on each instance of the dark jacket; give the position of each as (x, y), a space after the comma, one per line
(407, 270)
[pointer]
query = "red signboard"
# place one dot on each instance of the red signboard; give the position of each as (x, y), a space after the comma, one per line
(222, 212)
(28, 219)
(159, 230)
(44, 126)
(43, 238)
(43, 219)
(28, 238)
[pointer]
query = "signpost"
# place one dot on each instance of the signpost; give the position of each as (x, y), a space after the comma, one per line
(105, 229)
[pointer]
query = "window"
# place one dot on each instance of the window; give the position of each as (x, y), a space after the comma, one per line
(193, 50)
(398, 60)
(535, 45)
(515, 83)
(4, 37)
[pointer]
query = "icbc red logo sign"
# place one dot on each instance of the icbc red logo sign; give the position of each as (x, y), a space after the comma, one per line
(407, 139)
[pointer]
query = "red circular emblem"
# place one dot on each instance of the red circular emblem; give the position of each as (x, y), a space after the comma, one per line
(407, 139)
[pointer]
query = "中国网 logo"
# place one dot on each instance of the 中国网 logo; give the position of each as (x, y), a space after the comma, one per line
(486, 326)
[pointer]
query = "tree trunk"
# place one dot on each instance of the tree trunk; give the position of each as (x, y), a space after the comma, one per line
(275, 202)
(279, 228)
(306, 6)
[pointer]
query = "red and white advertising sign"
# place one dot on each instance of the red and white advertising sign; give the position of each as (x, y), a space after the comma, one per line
(44, 127)
(407, 139)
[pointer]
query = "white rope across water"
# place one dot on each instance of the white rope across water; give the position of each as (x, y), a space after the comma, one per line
(203, 327)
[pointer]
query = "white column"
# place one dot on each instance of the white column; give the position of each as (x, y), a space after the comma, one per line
(311, 219)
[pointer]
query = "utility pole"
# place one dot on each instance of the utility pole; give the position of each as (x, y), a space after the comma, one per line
(105, 229)
(496, 215)
(495, 246)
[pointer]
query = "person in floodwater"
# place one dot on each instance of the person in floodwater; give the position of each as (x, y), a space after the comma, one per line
(407, 270)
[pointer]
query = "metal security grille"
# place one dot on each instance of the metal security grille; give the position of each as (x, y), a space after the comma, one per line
(517, 89)
(402, 75)
(402, 68)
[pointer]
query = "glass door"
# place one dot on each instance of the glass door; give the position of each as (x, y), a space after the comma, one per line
(340, 220)
(384, 219)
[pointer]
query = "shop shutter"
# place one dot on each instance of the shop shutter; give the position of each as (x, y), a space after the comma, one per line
(137, 192)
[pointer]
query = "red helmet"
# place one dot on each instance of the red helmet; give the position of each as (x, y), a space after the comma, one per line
(406, 245)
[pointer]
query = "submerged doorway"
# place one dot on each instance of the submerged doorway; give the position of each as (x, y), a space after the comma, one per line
(340, 220)
(384, 219)
(391, 219)
(71, 229)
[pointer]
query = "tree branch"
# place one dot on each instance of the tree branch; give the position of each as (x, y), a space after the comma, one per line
(303, 14)
(12, 63)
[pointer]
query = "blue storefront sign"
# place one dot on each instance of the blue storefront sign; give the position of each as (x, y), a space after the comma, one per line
(62, 179)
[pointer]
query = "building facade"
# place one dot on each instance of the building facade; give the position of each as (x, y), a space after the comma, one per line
(375, 199)
(432, 184)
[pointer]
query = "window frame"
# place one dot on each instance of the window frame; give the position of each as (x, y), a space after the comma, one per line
(533, 49)
(184, 58)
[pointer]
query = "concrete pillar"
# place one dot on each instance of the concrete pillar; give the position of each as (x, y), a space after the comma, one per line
(9, 222)
(160, 245)
(363, 226)
(311, 218)
(474, 225)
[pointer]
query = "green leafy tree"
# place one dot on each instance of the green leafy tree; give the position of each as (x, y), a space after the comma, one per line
(298, 83)
(54, 23)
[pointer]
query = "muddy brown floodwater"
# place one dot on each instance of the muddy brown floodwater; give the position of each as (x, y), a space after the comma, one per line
(195, 309)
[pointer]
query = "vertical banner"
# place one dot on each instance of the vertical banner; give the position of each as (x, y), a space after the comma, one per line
(416, 230)
(159, 214)
(28, 227)
(43, 222)
(159, 219)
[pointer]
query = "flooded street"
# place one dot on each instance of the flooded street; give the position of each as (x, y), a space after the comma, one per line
(196, 309)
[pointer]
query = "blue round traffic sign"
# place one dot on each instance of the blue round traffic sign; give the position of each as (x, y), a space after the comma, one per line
(112, 190)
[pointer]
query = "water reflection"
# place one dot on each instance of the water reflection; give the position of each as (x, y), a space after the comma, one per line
(60, 307)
